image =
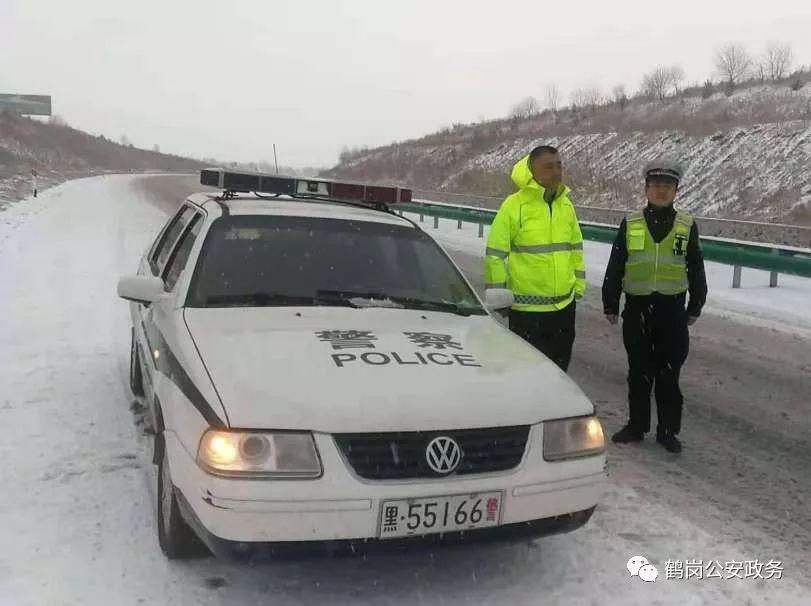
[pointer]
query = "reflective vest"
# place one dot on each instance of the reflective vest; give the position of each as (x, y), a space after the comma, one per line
(653, 267)
(536, 249)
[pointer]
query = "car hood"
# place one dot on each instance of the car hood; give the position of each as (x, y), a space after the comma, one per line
(373, 369)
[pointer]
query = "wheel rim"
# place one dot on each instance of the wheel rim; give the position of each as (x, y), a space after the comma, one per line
(166, 495)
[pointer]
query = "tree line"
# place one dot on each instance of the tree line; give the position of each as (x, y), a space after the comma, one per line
(733, 65)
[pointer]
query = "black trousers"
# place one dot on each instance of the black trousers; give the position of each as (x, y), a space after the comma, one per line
(657, 341)
(552, 332)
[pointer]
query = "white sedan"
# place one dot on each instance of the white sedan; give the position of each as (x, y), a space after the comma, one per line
(317, 369)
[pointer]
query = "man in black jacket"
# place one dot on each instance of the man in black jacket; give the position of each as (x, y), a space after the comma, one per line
(656, 260)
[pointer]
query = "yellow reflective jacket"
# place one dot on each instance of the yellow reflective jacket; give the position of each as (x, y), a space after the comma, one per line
(656, 266)
(536, 250)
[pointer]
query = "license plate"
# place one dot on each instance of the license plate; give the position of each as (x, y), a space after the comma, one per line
(411, 517)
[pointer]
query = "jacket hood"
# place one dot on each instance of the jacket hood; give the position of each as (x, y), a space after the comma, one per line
(523, 179)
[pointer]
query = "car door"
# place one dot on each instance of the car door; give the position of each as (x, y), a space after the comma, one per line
(179, 360)
(155, 263)
(154, 259)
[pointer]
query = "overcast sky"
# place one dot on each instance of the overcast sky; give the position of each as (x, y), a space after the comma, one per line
(229, 79)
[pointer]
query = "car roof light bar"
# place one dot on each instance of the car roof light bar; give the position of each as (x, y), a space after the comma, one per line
(232, 182)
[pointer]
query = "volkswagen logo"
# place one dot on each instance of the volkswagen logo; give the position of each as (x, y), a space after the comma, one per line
(443, 455)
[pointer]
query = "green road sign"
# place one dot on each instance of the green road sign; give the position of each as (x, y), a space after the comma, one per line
(29, 105)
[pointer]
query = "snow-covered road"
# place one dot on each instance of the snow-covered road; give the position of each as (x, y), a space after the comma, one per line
(78, 487)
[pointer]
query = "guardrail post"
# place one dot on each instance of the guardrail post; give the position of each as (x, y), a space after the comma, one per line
(481, 230)
(773, 275)
(736, 277)
(436, 222)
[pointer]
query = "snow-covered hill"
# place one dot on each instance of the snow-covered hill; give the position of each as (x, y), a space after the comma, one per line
(59, 153)
(748, 155)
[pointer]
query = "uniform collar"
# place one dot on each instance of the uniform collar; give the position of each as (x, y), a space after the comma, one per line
(655, 211)
(562, 190)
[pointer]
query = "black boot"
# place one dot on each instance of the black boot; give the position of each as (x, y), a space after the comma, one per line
(627, 434)
(669, 440)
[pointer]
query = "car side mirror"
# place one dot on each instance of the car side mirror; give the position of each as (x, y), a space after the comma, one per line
(140, 289)
(498, 298)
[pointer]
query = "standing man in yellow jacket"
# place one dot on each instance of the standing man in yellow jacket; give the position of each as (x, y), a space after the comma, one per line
(535, 249)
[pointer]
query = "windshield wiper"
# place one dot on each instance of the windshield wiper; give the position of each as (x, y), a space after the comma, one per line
(446, 306)
(382, 299)
(360, 299)
(271, 299)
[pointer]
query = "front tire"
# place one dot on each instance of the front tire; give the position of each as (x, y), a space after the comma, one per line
(136, 376)
(176, 538)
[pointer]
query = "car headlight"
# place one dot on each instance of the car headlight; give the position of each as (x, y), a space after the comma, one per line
(572, 438)
(259, 454)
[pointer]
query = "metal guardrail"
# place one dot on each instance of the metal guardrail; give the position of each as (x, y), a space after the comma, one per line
(780, 234)
(771, 258)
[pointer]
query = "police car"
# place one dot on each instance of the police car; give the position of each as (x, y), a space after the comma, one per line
(318, 370)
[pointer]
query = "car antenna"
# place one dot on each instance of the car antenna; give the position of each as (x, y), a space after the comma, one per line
(275, 160)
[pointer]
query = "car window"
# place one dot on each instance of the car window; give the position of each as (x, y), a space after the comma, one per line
(164, 247)
(156, 243)
(303, 257)
(181, 254)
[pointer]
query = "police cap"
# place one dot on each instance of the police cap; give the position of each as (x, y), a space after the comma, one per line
(664, 167)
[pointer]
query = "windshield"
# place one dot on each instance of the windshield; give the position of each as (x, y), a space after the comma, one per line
(272, 260)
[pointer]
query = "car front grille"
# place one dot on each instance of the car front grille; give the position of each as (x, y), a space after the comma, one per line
(402, 455)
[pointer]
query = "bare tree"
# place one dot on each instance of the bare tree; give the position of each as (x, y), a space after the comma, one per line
(593, 96)
(577, 98)
(620, 96)
(653, 84)
(777, 60)
(707, 89)
(345, 155)
(526, 108)
(125, 140)
(587, 96)
(553, 97)
(760, 71)
(676, 78)
(663, 80)
(733, 63)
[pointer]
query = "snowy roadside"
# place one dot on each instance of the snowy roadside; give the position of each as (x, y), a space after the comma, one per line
(78, 506)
